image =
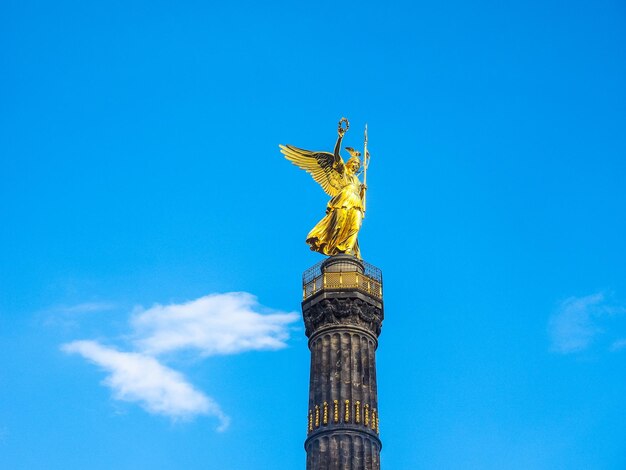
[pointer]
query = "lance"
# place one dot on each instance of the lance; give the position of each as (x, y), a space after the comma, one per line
(366, 162)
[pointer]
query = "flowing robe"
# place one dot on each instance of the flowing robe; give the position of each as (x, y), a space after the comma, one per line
(337, 231)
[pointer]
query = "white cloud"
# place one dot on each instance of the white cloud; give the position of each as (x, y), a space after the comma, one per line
(215, 324)
(572, 327)
(580, 321)
(135, 377)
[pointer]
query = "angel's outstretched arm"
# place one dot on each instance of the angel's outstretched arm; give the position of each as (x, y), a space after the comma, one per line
(338, 160)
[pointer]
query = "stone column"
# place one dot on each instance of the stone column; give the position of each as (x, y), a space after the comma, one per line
(343, 314)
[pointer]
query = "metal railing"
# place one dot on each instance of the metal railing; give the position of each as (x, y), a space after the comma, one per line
(342, 276)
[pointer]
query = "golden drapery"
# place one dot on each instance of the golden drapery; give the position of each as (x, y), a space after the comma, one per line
(337, 231)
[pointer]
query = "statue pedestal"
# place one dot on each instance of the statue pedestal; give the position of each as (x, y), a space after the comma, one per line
(343, 314)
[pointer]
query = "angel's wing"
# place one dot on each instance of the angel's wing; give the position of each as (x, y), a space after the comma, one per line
(319, 164)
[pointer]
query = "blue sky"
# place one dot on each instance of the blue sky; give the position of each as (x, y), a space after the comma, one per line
(152, 236)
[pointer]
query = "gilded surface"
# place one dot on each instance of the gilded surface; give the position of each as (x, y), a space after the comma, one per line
(337, 232)
(342, 281)
(361, 416)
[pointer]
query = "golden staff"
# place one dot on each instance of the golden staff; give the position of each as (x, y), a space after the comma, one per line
(366, 162)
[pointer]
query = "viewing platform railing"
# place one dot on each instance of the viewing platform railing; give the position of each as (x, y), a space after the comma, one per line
(339, 275)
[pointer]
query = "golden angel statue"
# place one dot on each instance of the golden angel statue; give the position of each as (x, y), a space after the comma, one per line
(337, 232)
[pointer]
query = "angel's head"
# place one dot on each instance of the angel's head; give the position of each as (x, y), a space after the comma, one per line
(354, 165)
(352, 152)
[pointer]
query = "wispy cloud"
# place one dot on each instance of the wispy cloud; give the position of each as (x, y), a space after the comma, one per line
(618, 345)
(135, 377)
(69, 316)
(86, 307)
(579, 321)
(572, 328)
(216, 324)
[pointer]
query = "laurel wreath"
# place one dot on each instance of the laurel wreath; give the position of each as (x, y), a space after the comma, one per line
(340, 127)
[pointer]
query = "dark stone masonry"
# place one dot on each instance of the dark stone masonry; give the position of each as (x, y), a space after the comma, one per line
(343, 314)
